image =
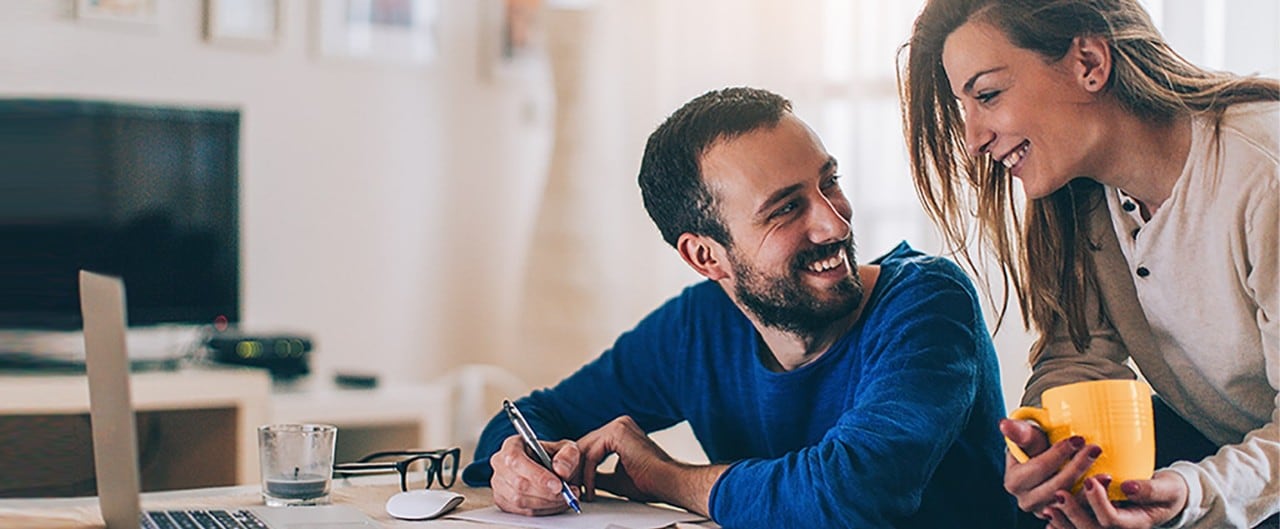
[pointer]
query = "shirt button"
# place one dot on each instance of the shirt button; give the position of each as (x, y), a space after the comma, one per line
(1143, 272)
(1128, 205)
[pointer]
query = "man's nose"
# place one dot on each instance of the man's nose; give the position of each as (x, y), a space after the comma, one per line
(829, 224)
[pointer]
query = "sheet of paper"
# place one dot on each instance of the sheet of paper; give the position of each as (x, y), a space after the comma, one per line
(599, 514)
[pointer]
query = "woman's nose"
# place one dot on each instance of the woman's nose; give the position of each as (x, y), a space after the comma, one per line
(977, 136)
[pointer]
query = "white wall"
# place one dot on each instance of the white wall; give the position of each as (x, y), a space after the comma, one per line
(363, 185)
(404, 216)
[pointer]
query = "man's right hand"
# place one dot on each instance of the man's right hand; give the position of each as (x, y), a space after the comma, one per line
(1049, 469)
(522, 486)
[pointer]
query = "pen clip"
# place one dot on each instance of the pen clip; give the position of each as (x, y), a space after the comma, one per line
(526, 433)
(531, 442)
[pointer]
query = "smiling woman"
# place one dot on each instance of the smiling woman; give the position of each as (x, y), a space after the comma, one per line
(1133, 159)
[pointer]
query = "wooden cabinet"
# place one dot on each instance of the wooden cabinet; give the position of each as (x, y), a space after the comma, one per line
(197, 428)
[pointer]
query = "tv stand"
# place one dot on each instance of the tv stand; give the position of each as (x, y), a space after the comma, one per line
(198, 425)
(197, 428)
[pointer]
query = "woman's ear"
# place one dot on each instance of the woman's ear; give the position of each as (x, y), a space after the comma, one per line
(704, 255)
(1091, 62)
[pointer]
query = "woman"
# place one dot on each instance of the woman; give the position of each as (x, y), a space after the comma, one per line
(1149, 236)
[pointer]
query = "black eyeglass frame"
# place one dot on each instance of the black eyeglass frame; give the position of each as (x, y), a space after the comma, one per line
(435, 472)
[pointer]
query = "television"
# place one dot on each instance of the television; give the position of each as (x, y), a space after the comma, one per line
(145, 192)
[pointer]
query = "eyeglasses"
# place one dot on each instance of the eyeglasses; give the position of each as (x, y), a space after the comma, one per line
(438, 465)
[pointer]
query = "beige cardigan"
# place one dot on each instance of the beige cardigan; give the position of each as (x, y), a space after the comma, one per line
(1236, 485)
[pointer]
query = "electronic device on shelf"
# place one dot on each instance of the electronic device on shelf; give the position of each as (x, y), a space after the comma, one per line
(286, 356)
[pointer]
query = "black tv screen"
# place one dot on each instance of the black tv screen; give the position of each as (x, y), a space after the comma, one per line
(148, 193)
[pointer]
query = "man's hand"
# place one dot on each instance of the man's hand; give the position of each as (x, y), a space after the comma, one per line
(645, 472)
(1151, 503)
(522, 486)
(1049, 470)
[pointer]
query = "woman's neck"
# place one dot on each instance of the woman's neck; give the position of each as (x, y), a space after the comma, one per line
(1146, 158)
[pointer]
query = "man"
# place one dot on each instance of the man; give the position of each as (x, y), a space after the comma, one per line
(825, 393)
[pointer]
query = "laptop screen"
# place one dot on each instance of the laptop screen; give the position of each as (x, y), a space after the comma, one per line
(115, 447)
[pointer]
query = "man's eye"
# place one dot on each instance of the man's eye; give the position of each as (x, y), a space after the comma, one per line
(835, 178)
(786, 208)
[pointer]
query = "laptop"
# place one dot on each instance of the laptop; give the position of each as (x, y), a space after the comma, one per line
(115, 449)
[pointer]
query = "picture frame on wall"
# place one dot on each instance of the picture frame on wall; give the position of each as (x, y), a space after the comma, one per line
(512, 32)
(521, 28)
(246, 23)
(388, 31)
(133, 12)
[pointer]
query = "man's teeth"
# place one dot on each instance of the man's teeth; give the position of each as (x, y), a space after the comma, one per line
(1016, 156)
(828, 263)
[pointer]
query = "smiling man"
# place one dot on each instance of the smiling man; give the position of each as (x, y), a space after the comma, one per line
(826, 393)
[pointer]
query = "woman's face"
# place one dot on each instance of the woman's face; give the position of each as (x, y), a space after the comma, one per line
(1031, 116)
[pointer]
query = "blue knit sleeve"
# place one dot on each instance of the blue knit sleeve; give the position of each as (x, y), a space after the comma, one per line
(918, 383)
(635, 377)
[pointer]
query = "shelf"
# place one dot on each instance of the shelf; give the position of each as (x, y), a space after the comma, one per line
(197, 427)
(388, 417)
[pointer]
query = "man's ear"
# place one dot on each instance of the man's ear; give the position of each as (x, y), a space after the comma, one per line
(706, 256)
(1090, 58)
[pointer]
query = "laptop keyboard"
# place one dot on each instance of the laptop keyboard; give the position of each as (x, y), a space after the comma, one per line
(201, 519)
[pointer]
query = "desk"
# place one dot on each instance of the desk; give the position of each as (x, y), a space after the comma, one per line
(367, 494)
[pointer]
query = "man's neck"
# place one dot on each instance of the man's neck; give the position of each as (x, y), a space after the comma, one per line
(788, 351)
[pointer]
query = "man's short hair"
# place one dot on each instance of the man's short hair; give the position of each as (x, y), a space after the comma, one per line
(675, 194)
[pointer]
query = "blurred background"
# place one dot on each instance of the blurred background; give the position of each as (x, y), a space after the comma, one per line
(457, 186)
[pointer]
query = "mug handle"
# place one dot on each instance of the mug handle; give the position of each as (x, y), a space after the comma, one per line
(1036, 415)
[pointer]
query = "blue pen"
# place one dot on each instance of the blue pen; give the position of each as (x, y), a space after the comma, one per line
(531, 439)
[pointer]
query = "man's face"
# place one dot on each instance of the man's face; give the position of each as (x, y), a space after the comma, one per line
(792, 257)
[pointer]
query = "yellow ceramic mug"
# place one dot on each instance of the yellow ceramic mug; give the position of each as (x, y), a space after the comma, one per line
(1113, 414)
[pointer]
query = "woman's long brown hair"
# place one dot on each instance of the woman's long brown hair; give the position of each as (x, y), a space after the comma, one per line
(1041, 250)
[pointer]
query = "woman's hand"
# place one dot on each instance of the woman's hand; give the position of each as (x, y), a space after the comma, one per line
(1151, 502)
(1050, 469)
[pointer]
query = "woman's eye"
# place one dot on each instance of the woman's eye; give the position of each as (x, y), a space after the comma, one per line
(986, 97)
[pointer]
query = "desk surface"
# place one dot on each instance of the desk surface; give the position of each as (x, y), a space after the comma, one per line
(368, 496)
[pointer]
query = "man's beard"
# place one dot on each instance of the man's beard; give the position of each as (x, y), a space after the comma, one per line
(786, 303)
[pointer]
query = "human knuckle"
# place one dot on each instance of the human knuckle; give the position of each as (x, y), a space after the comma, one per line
(522, 502)
(1028, 504)
(501, 463)
(505, 502)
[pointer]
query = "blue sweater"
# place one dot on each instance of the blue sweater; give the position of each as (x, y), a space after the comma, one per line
(894, 426)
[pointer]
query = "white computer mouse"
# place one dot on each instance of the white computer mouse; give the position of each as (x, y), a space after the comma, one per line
(422, 504)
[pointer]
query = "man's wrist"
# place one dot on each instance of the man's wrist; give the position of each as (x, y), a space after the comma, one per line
(688, 486)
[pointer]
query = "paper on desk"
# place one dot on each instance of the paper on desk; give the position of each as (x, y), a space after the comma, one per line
(599, 514)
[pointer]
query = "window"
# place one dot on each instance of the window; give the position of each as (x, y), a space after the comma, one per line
(861, 125)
